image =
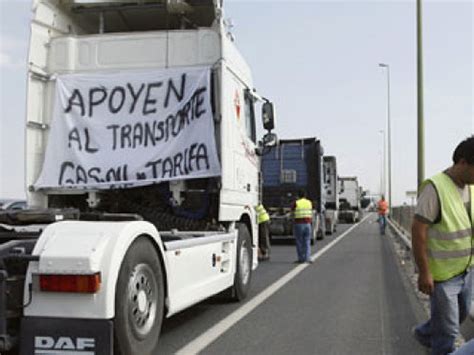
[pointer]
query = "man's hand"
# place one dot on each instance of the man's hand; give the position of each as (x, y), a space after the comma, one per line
(425, 283)
(419, 242)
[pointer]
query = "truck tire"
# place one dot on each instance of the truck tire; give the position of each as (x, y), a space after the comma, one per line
(319, 235)
(139, 301)
(243, 274)
(330, 230)
(314, 235)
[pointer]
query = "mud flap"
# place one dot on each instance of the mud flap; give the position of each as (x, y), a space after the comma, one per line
(62, 336)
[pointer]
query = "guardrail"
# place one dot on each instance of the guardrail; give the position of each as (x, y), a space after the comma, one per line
(403, 216)
(406, 239)
(400, 220)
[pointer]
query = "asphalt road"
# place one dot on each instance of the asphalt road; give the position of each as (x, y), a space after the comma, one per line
(352, 300)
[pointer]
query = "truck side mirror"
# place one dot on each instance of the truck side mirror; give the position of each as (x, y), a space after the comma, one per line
(268, 116)
(270, 140)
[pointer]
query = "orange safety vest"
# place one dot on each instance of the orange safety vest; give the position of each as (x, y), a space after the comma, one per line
(382, 207)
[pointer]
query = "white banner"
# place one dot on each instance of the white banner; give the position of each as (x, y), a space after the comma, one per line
(129, 129)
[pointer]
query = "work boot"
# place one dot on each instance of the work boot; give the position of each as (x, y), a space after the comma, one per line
(264, 257)
(420, 338)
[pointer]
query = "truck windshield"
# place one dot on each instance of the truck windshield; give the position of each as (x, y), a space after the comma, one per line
(151, 15)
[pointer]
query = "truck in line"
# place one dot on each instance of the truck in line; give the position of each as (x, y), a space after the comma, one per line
(291, 166)
(349, 200)
(331, 193)
(142, 166)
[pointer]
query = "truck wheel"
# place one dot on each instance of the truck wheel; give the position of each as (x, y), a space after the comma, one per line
(243, 275)
(139, 301)
(329, 230)
(314, 234)
(320, 235)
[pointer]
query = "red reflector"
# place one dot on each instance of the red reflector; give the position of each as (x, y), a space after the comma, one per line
(70, 283)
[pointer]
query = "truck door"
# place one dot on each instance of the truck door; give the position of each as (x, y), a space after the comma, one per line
(240, 162)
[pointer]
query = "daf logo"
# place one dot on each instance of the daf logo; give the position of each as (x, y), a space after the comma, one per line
(63, 345)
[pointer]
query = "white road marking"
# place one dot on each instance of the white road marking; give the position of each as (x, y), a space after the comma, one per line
(209, 336)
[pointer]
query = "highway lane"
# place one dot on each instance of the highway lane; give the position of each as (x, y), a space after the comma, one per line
(351, 300)
(182, 328)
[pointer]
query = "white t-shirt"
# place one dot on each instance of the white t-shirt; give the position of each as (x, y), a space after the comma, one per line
(427, 208)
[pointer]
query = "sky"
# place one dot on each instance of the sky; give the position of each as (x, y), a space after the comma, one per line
(318, 62)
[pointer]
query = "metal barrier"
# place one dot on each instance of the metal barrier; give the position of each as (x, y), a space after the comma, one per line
(401, 233)
(403, 216)
(400, 220)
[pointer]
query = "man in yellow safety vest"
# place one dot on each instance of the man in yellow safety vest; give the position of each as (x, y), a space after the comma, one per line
(263, 220)
(442, 238)
(303, 218)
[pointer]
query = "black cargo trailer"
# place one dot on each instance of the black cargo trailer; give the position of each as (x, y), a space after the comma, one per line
(291, 166)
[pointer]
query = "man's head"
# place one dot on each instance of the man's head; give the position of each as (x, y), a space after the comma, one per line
(301, 193)
(463, 158)
(383, 198)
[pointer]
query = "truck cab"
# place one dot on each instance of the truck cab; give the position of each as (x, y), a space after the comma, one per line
(349, 200)
(87, 37)
(142, 174)
(331, 193)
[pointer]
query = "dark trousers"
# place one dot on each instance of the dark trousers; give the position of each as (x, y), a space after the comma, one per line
(302, 232)
(264, 239)
(382, 223)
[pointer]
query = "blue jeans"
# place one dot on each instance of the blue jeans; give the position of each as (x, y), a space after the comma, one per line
(303, 241)
(382, 223)
(450, 304)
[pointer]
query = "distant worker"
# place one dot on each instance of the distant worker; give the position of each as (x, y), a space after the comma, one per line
(382, 210)
(442, 233)
(263, 220)
(303, 218)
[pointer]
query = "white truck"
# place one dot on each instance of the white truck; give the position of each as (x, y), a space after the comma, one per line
(143, 170)
(331, 193)
(349, 200)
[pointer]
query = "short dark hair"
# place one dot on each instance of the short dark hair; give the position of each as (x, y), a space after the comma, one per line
(465, 150)
(301, 193)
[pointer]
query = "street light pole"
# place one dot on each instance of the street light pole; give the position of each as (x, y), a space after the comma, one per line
(420, 121)
(389, 137)
(382, 173)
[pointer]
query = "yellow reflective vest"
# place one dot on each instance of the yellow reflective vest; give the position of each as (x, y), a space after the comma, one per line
(262, 215)
(450, 240)
(303, 209)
